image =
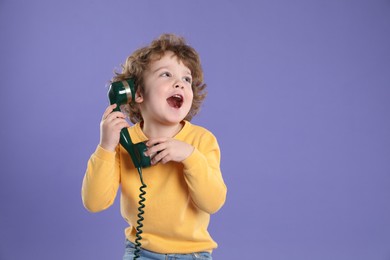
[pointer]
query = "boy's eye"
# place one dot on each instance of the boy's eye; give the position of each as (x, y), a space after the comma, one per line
(166, 74)
(188, 79)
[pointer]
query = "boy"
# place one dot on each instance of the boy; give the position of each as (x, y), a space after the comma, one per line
(184, 183)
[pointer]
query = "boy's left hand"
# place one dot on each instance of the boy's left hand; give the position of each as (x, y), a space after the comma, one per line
(168, 149)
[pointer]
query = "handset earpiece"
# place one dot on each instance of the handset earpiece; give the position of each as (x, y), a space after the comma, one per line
(120, 93)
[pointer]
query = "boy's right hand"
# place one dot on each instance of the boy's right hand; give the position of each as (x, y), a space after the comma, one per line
(110, 127)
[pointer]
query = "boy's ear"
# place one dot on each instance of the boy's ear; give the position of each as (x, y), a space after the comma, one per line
(138, 97)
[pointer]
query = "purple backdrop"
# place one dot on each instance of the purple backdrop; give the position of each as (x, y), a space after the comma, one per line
(298, 98)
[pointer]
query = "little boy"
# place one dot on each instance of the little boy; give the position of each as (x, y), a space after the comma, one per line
(184, 183)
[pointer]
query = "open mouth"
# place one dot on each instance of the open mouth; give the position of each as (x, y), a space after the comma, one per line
(175, 101)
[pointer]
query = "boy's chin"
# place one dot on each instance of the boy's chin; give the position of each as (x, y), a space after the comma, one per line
(169, 117)
(178, 115)
(175, 121)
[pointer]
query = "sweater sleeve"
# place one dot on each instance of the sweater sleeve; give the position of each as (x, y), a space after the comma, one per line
(203, 175)
(101, 180)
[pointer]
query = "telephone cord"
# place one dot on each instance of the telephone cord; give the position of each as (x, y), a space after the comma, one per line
(140, 216)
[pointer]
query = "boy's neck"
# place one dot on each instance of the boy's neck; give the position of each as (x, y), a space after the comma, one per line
(161, 130)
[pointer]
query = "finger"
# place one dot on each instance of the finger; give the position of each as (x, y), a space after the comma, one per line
(108, 111)
(119, 122)
(114, 115)
(155, 141)
(114, 125)
(157, 148)
(166, 157)
(120, 126)
(158, 157)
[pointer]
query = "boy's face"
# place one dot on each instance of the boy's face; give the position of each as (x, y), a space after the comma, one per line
(167, 96)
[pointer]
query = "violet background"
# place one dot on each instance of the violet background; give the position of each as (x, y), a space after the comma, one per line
(298, 99)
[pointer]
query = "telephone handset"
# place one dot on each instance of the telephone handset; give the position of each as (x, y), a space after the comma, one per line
(120, 93)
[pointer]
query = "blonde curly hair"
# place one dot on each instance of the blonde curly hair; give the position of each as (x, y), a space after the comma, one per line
(138, 62)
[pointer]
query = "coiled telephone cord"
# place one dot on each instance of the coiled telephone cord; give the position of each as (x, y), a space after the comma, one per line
(140, 216)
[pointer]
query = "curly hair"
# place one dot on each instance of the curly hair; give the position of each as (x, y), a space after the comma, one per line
(139, 60)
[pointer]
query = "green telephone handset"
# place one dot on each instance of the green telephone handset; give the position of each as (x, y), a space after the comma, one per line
(120, 93)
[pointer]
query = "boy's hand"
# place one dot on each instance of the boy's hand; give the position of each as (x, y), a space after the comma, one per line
(167, 149)
(110, 127)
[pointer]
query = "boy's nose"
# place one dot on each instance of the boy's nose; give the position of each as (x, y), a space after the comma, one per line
(178, 85)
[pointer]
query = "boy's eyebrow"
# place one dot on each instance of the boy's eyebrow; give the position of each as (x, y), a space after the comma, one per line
(166, 67)
(159, 68)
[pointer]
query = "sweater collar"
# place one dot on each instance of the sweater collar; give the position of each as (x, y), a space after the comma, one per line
(138, 135)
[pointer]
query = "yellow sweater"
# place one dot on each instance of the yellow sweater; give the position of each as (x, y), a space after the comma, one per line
(179, 196)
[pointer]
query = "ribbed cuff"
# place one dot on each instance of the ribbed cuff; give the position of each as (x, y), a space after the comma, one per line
(104, 154)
